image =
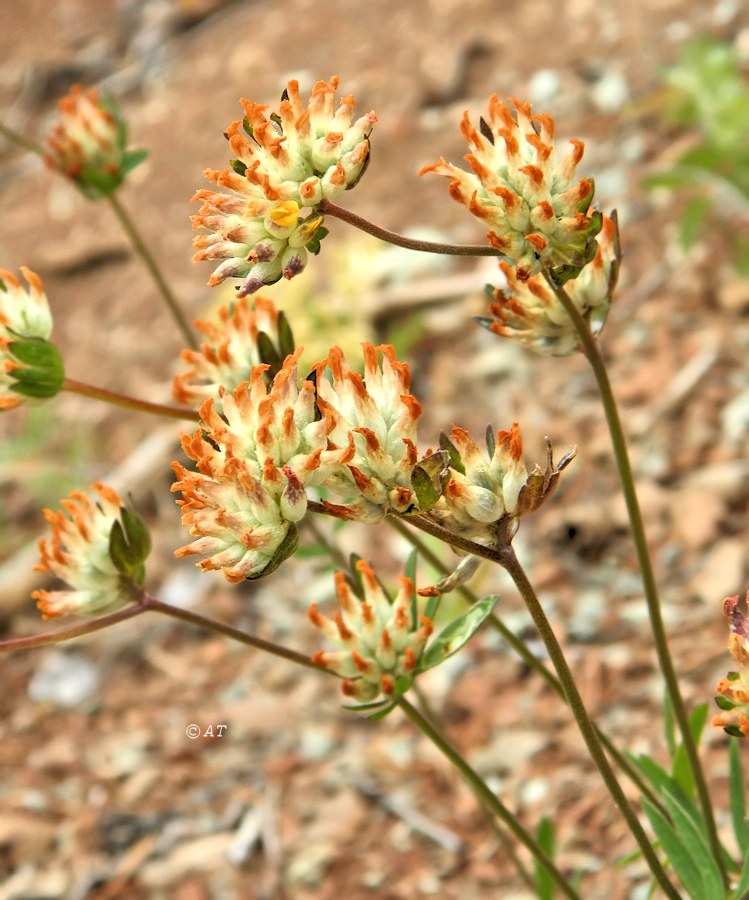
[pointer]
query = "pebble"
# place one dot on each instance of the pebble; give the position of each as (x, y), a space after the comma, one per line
(64, 679)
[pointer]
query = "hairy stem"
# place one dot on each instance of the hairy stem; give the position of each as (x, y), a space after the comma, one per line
(185, 615)
(156, 409)
(392, 237)
(487, 797)
(509, 562)
(148, 260)
(67, 634)
(627, 480)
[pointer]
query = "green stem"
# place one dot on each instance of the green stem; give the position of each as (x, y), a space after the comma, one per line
(156, 409)
(20, 141)
(509, 562)
(322, 539)
(626, 477)
(392, 237)
(141, 249)
(479, 787)
(530, 659)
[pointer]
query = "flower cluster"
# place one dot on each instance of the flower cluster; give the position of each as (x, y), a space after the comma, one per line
(285, 163)
(89, 143)
(99, 549)
(733, 690)
(380, 641)
(529, 310)
(29, 365)
(486, 490)
(374, 419)
(535, 207)
(230, 351)
(253, 464)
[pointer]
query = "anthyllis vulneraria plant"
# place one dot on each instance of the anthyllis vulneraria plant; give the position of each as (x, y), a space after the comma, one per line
(275, 446)
(265, 221)
(98, 548)
(30, 366)
(245, 336)
(89, 143)
(733, 690)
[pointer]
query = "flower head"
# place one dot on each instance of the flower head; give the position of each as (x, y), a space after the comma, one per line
(29, 365)
(380, 640)
(89, 143)
(230, 351)
(98, 549)
(733, 690)
(254, 461)
(529, 310)
(286, 164)
(487, 489)
(534, 205)
(374, 420)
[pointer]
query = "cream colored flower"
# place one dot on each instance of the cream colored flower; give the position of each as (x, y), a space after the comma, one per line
(262, 223)
(374, 420)
(379, 641)
(534, 205)
(485, 490)
(103, 573)
(254, 461)
(229, 352)
(25, 321)
(530, 312)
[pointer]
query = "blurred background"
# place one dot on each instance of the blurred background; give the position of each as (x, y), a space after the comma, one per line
(104, 795)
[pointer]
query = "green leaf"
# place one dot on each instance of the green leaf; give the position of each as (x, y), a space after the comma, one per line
(457, 633)
(742, 888)
(546, 839)
(129, 542)
(455, 459)
(427, 494)
(736, 790)
(285, 335)
(693, 221)
(238, 166)
(679, 857)
(131, 159)
(409, 570)
(694, 842)
(681, 768)
(269, 355)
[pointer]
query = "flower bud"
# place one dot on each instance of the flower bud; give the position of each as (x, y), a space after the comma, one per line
(89, 144)
(733, 690)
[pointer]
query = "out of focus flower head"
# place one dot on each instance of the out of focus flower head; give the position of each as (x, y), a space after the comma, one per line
(30, 366)
(89, 143)
(254, 460)
(485, 490)
(263, 222)
(530, 312)
(536, 208)
(379, 641)
(733, 690)
(98, 547)
(246, 335)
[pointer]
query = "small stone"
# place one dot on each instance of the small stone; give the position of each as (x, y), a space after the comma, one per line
(64, 679)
